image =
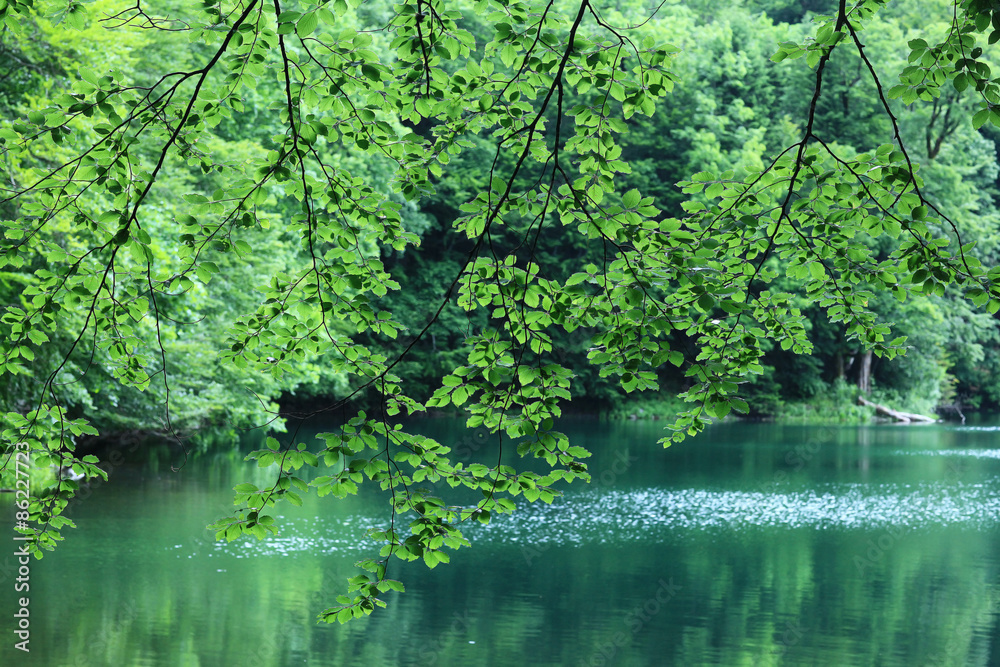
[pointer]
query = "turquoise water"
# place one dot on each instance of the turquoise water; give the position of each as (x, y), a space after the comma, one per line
(753, 544)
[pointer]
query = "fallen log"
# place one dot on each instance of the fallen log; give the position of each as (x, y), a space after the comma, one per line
(903, 417)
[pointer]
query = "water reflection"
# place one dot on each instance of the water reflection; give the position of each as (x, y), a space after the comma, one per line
(755, 545)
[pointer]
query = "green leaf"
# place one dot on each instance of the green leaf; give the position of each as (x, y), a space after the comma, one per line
(307, 24)
(508, 55)
(721, 408)
(596, 193)
(980, 118)
(76, 16)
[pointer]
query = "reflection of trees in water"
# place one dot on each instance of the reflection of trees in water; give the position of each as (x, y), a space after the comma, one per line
(759, 594)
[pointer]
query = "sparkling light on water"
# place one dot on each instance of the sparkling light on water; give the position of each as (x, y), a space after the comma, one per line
(654, 514)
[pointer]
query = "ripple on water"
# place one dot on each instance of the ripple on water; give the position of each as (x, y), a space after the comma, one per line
(974, 453)
(656, 514)
(316, 535)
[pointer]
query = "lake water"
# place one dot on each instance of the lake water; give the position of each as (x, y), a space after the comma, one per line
(753, 544)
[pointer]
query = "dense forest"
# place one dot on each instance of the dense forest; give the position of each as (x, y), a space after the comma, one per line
(511, 209)
(730, 107)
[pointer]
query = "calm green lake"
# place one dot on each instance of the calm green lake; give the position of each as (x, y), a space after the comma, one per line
(753, 544)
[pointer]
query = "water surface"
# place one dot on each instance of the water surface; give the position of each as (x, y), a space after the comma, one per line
(753, 544)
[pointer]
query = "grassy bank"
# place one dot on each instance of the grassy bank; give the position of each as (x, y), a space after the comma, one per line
(838, 403)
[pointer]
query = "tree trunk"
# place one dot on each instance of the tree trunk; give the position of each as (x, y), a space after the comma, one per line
(865, 372)
(905, 417)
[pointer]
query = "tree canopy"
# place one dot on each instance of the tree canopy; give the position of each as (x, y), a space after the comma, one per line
(205, 198)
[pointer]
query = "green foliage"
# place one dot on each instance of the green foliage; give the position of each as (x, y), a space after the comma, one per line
(247, 214)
